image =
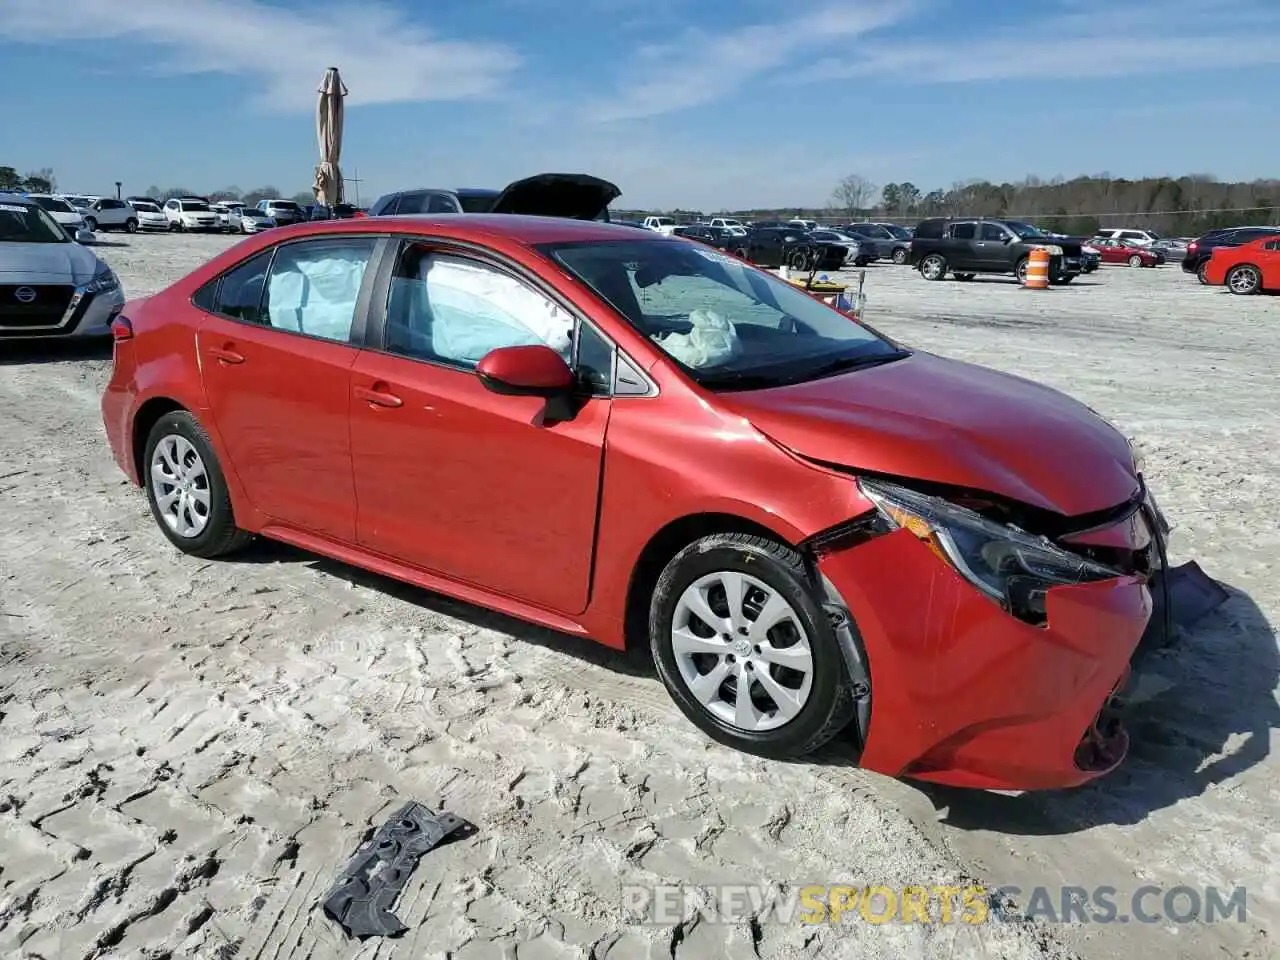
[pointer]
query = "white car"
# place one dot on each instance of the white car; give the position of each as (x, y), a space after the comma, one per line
(108, 213)
(190, 213)
(1143, 238)
(150, 216)
(69, 217)
(664, 225)
(729, 223)
(253, 220)
(50, 286)
(223, 213)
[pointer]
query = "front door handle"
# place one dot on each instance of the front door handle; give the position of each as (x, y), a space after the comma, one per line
(379, 395)
(226, 355)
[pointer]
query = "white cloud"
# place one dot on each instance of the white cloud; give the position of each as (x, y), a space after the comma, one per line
(383, 57)
(1139, 37)
(703, 67)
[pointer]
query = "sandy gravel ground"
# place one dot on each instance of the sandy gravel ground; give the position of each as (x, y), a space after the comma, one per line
(189, 751)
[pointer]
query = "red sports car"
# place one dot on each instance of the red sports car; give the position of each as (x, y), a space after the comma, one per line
(641, 439)
(1123, 251)
(1249, 268)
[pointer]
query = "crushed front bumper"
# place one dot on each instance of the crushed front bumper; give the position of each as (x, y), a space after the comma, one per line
(962, 693)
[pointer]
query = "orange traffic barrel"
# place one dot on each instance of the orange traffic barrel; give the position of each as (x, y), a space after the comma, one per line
(1037, 275)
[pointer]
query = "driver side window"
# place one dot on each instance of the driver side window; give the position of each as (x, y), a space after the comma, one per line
(453, 310)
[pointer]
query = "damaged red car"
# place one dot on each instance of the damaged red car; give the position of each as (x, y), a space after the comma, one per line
(636, 438)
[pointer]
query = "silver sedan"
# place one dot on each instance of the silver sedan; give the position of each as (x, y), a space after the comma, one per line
(50, 285)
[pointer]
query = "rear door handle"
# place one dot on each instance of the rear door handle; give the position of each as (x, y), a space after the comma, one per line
(379, 395)
(226, 355)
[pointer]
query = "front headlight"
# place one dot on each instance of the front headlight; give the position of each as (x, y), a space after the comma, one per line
(104, 281)
(1011, 567)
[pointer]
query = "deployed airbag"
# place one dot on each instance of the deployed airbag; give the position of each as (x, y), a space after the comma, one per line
(317, 297)
(712, 341)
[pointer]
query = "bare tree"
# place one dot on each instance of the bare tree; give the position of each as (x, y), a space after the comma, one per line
(853, 194)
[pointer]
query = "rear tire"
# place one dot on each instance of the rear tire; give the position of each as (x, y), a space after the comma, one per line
(1200, 273)
(91, 224)
(900, 256)
(1135, 261)
(798, 694)
(1244, 280)
(131, 225)
(187, 489)
(800, 259)
(934, 267)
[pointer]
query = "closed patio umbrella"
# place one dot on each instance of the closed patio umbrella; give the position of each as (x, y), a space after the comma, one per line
(328, 183)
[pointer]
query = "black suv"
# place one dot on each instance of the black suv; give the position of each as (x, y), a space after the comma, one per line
(789, 246)
(1200, 250)
(969, 246)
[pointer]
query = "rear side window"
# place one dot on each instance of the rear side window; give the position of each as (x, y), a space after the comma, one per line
(313, 286)
(963, 231)
(992, 231)
(441, 203)
(1244, 236)
(240, 290)
(412, 203)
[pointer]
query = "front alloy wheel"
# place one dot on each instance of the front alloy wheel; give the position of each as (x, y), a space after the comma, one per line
(1135, 261)
(744, 648)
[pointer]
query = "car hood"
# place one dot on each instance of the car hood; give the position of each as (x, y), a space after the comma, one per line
(575, 196)
(46, 263)
(938, 420)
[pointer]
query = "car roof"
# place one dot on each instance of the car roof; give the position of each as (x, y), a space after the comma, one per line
(526, 230)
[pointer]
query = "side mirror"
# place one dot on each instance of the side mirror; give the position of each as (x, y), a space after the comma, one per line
(84, 236)
(530, 371)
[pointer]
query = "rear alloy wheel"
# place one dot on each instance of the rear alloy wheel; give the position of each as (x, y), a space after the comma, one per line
(900, 256)
(187, 489)
(131, 225)
(1244, 280)
(1135, 261)
(800, 259)
(745, 649)
(1200, 273)
(933, 267)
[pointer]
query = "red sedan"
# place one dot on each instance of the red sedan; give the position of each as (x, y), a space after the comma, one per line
(813, 528)
(1249, 268)
(1122, 251)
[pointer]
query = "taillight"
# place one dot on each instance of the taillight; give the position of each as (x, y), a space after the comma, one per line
(121, 329)
(1192, 247)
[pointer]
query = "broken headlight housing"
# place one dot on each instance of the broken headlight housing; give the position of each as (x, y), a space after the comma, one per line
(1010, 566)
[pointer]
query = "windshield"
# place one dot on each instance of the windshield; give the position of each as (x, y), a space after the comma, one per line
(22, 223)
(54, 205)
(1024, 229)
(196, 206)
(729, 325)
(284, 204)
(145, 207)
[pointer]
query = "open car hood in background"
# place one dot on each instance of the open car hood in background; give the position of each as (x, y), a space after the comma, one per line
(575, 196)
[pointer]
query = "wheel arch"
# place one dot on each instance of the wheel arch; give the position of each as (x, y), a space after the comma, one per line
(665, 544)
(146, 417)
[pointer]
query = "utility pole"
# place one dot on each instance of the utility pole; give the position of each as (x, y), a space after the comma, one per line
(118, 185)
(356, 180)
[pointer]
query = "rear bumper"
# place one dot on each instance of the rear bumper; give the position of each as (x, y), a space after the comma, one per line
(963, 693)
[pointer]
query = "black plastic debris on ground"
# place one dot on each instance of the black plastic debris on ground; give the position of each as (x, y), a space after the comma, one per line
(362, 899)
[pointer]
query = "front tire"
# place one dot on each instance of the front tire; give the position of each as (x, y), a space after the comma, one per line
(800, 259)
(1244, 280)
(934, 267)
(745, 649)
(187, 489)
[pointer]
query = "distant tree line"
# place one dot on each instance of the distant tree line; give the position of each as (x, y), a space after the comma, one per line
(43, 181)
(1182, 206)
(37, 181)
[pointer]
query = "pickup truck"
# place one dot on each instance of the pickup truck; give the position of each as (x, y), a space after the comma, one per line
(663, 225)
(966, 247)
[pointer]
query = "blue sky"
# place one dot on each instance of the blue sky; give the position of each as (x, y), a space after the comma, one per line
(698, 103)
